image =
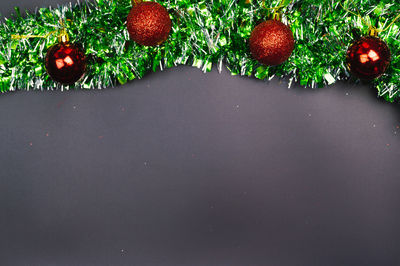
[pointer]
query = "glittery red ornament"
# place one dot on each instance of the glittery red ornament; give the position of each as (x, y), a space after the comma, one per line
(368, 58)
(65, 63)
(271, 42)
(149, 23)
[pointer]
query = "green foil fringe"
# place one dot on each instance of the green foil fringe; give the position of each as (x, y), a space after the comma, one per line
(205, 34)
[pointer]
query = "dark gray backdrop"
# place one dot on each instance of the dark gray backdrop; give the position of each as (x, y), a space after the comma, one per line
(186, 168)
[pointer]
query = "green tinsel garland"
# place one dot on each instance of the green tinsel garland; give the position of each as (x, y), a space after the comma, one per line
(205, 33)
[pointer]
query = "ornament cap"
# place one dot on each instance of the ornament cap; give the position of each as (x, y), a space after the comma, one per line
(135, 2)
(63, 36)
(373, 32)
(277, 16)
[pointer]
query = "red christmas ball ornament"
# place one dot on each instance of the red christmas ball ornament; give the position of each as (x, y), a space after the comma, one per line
(65, 63)
(149, 23)
(271, 42)
(368, 57)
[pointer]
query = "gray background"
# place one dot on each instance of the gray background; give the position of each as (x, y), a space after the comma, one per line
(186, 168)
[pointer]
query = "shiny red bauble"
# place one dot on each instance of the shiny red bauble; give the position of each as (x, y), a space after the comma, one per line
(271, 42)
(149, 23)
(65, 63)
(368, 58)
